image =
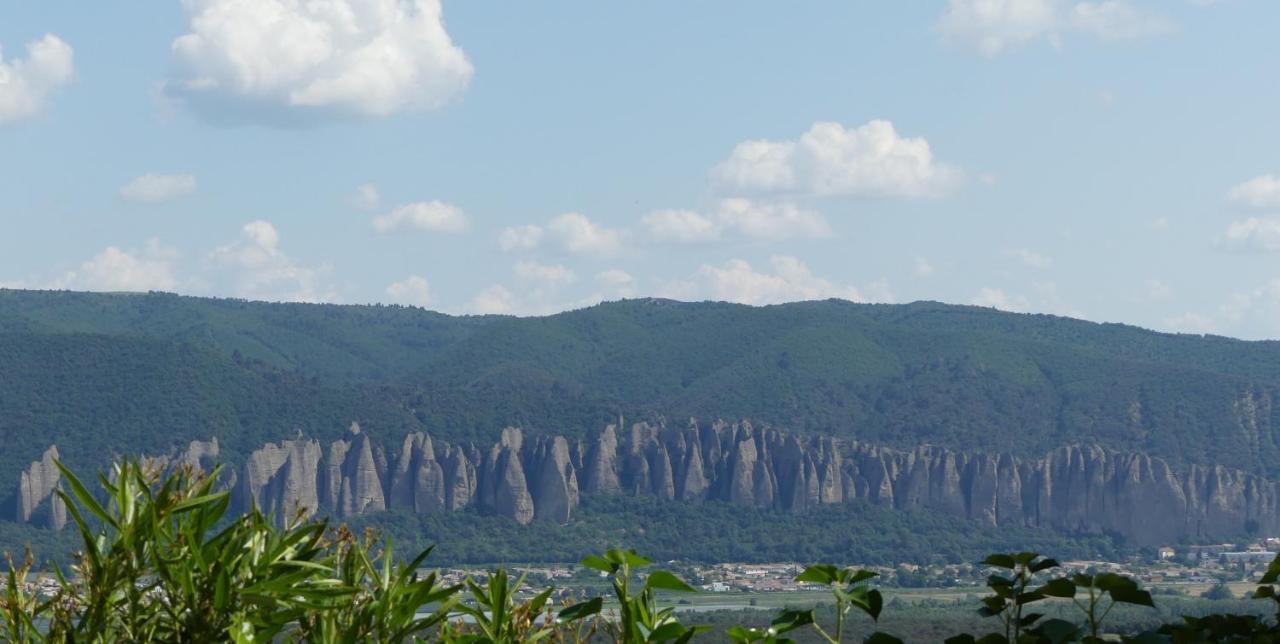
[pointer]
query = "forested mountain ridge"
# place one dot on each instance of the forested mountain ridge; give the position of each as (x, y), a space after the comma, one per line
(143, 373)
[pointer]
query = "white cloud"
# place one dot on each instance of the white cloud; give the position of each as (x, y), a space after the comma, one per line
(829, 159)
(367, 197)
(155, 188)
(516, 238)
(998, 299)
(1155, 289)
(758, 220)
(760, 165)
(680, 226)
(1030, 258)
(114, 269)
(923, 267)
(771, 221)
(579, 235)
(790, 280)
(413, 290)
(1190, 323)
(435, 216)
(543, 274)
(495, 299)
(261, 270)
(617, 284)
(1160, 224)
(1258, 192)
(27, 83)
(993, 27)
(1254, 233)
(615, 277)
(261, 59)
(1117, 20)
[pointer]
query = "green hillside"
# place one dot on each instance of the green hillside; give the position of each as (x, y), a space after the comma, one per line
(104, 373)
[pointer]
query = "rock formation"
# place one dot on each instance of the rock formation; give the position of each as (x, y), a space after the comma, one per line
(38, 483)
(1076, 488)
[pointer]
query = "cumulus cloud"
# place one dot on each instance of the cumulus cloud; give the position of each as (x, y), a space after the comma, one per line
(367, 197)
(771, 221)
(270, 60)
(615, 277)
(1254, 234)
(830, 159)
(1030, 258)
(998, 299)
(1155, 289)
(1258, 192)
(516, 238)
(993, 27)
(680, 226)
(1190, 322)
(495, 299)
(923, 267)
(156, 188)
(543, 274)
(579, 235)
(1117, 20)
(571, 232)
(1247, 312)
(788, 280)
(261, 270)
(114, 269)
(618, 283)
(27, 83)
(434, 216)
(413, 290)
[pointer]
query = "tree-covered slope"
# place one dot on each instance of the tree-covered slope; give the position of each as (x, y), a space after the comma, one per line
(101, 372)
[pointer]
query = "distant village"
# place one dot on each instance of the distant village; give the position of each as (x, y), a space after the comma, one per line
(1190, 567)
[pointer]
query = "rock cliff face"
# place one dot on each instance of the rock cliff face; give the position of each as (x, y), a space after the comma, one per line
(37, 484)
(1074, 488)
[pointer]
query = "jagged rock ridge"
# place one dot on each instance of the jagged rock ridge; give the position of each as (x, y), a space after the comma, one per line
(1073, 488)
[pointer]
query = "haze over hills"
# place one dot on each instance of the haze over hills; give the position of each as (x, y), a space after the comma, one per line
(102, 374)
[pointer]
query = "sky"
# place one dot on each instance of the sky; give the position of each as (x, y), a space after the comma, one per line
(1116, 160)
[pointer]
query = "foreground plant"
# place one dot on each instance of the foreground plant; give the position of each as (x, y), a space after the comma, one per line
(639, 617)
(389, 602)
(164, 561)
(496, 615)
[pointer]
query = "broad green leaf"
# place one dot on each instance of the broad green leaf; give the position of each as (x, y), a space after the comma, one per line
(879, 637)
(790, 619)
(1000, 561)
(667, 581)
(628, 557)
(819, 574)
(580, 611)
(599, 563)
(850, 576)
(1058, 588)
(1057, 631)
(668, 631)
(1128, 596)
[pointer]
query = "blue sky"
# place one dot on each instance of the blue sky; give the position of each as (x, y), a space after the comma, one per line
(1115, 160)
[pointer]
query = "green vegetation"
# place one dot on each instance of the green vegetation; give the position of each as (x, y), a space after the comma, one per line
(248, 372)
(709, 532)
(103, 375)
(715, 532)
(161, 560)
